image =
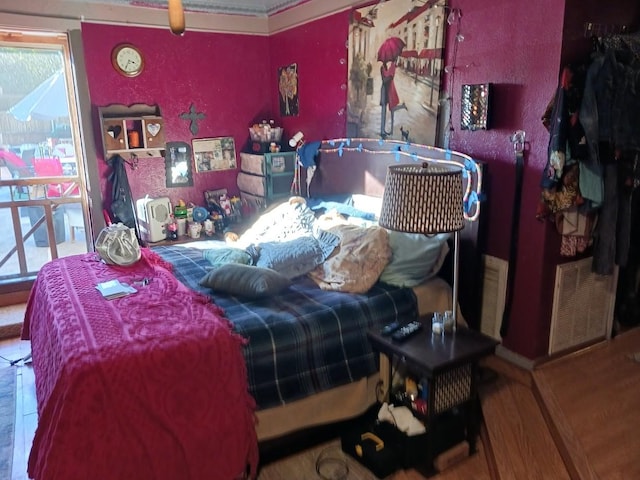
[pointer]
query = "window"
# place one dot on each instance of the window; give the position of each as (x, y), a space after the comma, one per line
(42, 199)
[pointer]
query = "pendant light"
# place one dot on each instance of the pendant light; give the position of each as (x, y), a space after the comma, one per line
(176, 17)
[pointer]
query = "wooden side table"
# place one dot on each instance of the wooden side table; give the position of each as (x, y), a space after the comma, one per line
(449, 364)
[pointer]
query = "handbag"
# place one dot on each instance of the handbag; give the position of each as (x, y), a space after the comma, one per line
(117, 244)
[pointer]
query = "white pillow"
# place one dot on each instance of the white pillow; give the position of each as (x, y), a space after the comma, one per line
(367, 203)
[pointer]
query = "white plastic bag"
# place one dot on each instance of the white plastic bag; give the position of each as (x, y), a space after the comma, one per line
(117, 245)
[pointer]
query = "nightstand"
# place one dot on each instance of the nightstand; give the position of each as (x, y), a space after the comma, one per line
(449, 366)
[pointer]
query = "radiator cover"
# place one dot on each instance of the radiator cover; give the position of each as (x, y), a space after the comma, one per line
(583, 305)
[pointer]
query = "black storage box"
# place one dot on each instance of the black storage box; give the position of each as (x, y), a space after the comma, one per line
(411, 449)
(400, 450)
(367, 447)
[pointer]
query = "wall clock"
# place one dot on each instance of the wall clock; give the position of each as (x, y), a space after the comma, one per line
(127, 60)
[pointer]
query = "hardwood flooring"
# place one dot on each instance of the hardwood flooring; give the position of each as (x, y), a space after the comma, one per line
(572, 418)
(26, 415)
(592, 399)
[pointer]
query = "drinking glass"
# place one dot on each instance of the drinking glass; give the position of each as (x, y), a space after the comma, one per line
(437, 326)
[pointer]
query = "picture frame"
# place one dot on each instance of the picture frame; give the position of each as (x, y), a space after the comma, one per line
(475, 108)
(214, 154)
(288, 90)
(178, 165)
(395, 71)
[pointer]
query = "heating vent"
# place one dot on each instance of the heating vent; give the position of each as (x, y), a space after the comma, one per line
(583, 305)
(494, 292)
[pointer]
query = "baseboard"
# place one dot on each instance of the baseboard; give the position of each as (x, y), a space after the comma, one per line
(10, 331)
(11, 319)
(514, 358)
(13, 298)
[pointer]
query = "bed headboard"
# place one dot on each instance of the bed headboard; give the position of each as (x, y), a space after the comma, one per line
(345, 166)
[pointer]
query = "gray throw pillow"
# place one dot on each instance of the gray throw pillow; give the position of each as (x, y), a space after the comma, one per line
(293, 258)
(221, 256)
(245, 280)
(416, 258)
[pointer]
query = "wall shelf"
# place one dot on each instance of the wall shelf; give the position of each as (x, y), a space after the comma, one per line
(132, 131)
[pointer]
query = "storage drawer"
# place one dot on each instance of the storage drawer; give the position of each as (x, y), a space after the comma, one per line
(253, 184)
(280, 162)
(255, 203)
(276, 185)
(268, 163)
(254, 164)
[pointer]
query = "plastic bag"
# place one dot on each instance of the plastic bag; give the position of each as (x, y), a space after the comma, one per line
(117, 245)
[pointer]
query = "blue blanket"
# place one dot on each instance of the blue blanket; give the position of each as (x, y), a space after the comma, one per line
(305, 340)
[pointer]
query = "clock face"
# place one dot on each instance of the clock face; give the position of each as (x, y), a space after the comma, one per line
(127, 60)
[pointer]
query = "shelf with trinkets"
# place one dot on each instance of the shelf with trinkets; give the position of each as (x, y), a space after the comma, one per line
(219, 217)
(132, 131)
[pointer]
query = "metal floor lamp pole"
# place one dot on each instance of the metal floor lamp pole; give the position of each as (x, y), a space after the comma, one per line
(456, 269)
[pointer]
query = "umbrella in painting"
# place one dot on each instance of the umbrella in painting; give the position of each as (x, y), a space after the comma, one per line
(390, 49)
(47, 101)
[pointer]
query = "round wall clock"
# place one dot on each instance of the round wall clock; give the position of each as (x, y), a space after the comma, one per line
(127, 60)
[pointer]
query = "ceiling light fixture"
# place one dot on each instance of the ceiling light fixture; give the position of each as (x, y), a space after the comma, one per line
(176, 17)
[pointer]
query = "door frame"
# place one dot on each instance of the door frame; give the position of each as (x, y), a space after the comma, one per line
(80, 113)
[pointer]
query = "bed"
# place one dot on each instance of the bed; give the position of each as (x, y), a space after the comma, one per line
(284, 330)
(124, 393)
(181, 379)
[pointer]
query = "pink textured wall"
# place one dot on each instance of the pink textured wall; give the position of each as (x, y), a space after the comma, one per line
(514, 45)
(520, 47)
(221, 74)
(232, 79)
(517, 45)
(319, 49)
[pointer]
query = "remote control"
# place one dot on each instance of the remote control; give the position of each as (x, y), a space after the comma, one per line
(407, 331)
(390, 328)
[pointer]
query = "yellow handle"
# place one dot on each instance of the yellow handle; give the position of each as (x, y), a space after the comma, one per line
(371, 436)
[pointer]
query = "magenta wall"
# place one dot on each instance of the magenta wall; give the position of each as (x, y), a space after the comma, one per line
(322, 72)
(518, 45)
(222, 75)
(232, 79)
(514, 45)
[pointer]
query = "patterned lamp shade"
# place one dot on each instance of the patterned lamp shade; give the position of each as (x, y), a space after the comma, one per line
(423, 198)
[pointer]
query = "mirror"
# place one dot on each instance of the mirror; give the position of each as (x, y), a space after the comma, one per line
(178, 164)
(475, 107)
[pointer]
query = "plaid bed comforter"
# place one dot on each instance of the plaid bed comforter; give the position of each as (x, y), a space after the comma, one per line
(305, 340)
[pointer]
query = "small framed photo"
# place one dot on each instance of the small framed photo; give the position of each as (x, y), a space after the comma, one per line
(178, 164)
(213, 154)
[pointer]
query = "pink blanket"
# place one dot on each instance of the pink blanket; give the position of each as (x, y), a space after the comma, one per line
(148, 386)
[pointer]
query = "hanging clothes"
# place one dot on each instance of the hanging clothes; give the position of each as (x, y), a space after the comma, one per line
(562, 199)
(610, 115)
(122, 206)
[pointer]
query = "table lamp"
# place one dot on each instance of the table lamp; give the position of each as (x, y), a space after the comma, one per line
(426, 199)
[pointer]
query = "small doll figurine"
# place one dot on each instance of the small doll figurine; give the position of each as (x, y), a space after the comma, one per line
(172, 229)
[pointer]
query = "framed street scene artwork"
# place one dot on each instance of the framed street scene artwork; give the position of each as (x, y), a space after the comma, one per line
(212, 154)
(395, 70)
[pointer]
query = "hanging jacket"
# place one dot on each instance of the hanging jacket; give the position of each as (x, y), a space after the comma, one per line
(122, 207)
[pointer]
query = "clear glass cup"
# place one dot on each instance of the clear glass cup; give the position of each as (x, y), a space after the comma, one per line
(437, 325)
(447, 322)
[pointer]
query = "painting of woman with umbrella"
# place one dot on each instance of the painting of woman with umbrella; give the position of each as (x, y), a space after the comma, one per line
(388, 54)
(403, 40)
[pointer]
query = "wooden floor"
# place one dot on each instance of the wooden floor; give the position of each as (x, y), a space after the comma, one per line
(572, 418)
